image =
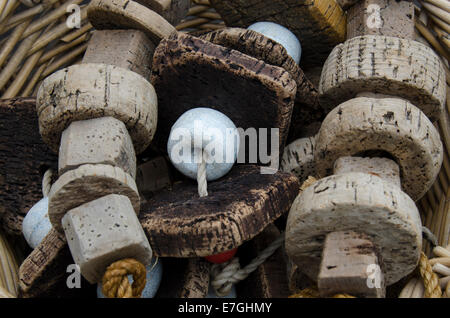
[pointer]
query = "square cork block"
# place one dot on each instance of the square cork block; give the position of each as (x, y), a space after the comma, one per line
(103, 231)
(190, 72)
(319, 25)
(381, 17)
(129, 49)
(102, 140)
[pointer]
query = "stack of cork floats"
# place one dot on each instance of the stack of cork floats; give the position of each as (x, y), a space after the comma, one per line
(357, 230)
(99, 115)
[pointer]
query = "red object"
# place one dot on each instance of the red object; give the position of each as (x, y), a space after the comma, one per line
(221, 258)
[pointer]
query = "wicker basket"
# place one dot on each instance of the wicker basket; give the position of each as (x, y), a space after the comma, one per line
(35, 42)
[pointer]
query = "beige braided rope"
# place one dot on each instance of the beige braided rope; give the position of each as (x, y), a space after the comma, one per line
(115, 280)
(47, 182)
(430, 279)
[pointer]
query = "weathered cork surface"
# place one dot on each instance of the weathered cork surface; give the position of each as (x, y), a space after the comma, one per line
(184, 278)
(298, 158)
(171, 10)
(179, 223)
(392, 125)
(355, 202)
(88, 91)
(189, 72)
(24, 158)
(87, 183)
(384, 65)
(126, 14)
(319, 25)
(306, 108)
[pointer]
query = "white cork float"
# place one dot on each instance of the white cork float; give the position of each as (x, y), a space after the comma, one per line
(377, 152)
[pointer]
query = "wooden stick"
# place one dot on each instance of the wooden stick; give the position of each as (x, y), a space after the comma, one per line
(16, 59)
(441, 260)
(443, 4)
(191, 23)
(49, 18)
(77, 33)
(197, 9)
(61, 48)
(34, 79)
(443, 37)
(442, 14)
(2, 6)
(11, 5)
(64, 60)
(24, 15)
(12, 41)
(426, 33)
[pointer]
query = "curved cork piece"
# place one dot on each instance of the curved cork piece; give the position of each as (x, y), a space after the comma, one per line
(88, 183)
(189, 72)
(171, 10)
(355, 202)
(320, 25)
(391, 125)
(128, 14)
(384, 65)
(306, 108)
(89, 91)
(179, 223)
(298, 158)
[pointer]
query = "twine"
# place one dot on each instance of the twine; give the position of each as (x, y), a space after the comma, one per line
(430, 279)
(47, 182)
(201, 177)
(115, 280)
(223, 276)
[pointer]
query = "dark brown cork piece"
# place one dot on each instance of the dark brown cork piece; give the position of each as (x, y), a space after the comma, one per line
(179, 223)
(23, 160)
(189, 72)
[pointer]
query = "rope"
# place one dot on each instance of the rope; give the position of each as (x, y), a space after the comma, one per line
(115, 280)
(430, 279)
(314, 293)
(47, 182)
(201, 177)
(223, 276)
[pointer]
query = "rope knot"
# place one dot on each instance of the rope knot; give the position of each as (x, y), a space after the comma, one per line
(115, 280)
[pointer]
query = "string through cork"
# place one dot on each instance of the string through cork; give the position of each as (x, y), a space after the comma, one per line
(201, 177)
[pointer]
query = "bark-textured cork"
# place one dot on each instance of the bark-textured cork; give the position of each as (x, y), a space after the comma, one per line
(355, 202)
(391, 125)
(23, 161)
(130, 49)
(384, 168)
(85, 184)
(306, 108)
(381, 17)
(89, 91)
(189, 72)
(103, 231)
(319, 25)
(102, 140)
(386, 65)
(152, 176)
(298, 158)
(128, 14)
(171, 10)
(238, 207)
(184, 278)
(349, 262)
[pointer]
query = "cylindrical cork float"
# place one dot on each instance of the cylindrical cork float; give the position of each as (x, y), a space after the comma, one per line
(358, 230)
(99, 115)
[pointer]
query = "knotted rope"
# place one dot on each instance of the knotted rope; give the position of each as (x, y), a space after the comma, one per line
(223, 276)
(201, 177)
(430, 279)
(115, 280)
